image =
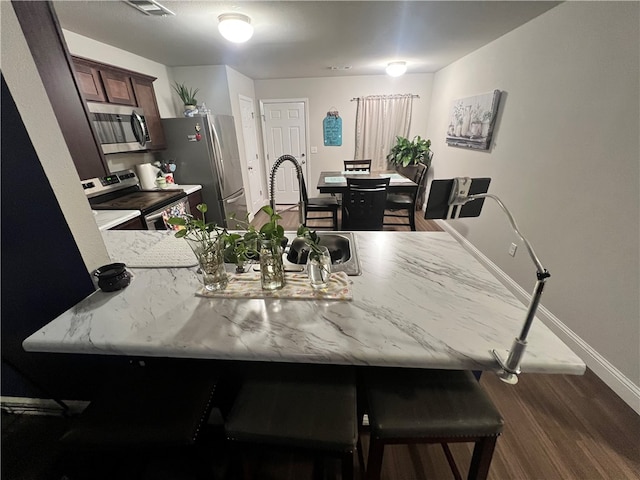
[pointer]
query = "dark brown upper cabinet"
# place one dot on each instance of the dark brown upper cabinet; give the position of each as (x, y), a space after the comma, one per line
(44, 36)
(101, 82)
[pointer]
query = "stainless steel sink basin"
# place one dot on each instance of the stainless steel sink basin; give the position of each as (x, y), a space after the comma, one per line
(341, 246)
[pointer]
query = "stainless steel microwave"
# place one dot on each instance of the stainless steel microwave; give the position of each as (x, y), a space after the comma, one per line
(120, 128)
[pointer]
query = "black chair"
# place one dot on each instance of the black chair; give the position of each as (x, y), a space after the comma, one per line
(143, 414)
(320, 204)
(403, 205)
(303, 408)
(413, 406)
(363, 204)
(357, 165)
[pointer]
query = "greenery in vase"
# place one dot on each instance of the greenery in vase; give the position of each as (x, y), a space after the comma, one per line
(195, 229)
(410, 152)
(187, 95)
(312, 240)
(242, 247)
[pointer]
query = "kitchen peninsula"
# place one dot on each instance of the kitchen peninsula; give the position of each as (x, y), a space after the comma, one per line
(422, 301)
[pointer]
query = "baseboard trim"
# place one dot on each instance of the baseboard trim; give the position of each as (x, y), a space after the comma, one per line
(40, 406)
(607, 372)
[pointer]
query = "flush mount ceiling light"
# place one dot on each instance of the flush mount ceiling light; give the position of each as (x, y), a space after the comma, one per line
(235, 27)
(395, 69)
(150, 7)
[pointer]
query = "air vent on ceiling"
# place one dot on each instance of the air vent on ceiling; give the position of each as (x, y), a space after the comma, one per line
(149, 7)
(344, 67)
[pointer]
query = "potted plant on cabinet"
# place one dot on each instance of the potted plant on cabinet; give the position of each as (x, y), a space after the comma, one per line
(188, 97)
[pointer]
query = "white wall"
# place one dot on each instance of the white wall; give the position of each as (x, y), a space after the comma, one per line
(325, 94)
(213, 85)
(566, 162)
(28, 91)
(240, 84)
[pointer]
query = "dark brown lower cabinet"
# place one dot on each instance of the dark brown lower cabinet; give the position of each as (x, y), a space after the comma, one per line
(194, 200)
(133, 224)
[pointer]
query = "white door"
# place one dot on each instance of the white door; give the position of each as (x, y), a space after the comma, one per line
(254, 168)
(285, 133)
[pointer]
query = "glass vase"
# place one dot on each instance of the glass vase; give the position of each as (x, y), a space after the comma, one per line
(319, 268)
(271, 265)
(211, 262)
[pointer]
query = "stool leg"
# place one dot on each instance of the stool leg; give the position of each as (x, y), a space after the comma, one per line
(481, 460)
(374, 462)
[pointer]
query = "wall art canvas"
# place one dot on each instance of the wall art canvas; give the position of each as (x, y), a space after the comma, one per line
(472, 120)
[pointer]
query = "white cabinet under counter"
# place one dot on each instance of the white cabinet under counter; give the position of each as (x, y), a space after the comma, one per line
(107, 219)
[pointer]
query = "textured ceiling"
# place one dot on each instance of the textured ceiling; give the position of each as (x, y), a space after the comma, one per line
(304, 38)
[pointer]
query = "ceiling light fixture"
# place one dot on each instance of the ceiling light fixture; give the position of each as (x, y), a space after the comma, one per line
(235, 27)
(395, 69)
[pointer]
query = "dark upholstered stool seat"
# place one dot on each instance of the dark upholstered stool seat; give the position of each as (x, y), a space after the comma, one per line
(157, 408)
(430, 406)
(307, 407)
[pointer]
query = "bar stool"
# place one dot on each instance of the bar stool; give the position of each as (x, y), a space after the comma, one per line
(143, 411)
(413, 406)
(311, 408)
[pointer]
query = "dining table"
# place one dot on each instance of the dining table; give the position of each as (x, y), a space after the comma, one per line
(335, 182)
(421, 301)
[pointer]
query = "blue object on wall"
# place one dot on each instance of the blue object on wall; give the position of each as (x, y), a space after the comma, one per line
(332, 127)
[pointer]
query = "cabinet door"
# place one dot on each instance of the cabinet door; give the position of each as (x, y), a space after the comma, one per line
(195, 199)
(118, 87)
(133, 224)
(89, 81)
(146, 99)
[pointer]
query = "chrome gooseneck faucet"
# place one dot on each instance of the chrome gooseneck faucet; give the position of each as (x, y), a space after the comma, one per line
(272, 181)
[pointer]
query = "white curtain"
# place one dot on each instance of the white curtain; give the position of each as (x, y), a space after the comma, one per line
(379, 120)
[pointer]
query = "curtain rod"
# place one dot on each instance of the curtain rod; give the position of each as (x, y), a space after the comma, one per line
(383, 96)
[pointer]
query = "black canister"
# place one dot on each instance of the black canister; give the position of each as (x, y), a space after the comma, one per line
(112, 277)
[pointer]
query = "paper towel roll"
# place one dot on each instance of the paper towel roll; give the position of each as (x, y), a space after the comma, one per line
(147, 175)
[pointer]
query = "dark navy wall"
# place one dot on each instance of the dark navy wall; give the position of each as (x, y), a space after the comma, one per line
(42, 272)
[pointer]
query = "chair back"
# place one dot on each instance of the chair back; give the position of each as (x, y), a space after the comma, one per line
(418, 178)
(364, 203)
(357, 165)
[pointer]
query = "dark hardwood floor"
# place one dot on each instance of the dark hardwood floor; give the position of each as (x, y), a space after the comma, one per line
(558, 427)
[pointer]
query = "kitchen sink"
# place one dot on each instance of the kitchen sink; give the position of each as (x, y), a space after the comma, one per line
(341, 246)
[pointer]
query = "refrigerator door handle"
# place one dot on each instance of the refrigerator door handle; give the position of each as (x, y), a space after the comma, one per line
(217, 153)
(235, 198)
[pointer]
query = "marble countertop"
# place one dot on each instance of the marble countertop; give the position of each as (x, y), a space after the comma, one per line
(106, 219)
(422, 301)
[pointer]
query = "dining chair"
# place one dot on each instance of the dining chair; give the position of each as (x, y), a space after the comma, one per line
(142, 414)
(319, 204)
(357, 165)
(415, 406)
(403, 205)
(309, 409)
(363, 204)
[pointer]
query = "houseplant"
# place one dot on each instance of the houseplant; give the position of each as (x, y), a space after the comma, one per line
(410, 152)
(187, 95)
(407, 155)
(318, 259)
(206, 240)
(271, 236)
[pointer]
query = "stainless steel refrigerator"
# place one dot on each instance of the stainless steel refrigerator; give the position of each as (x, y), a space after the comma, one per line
(205, 151)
